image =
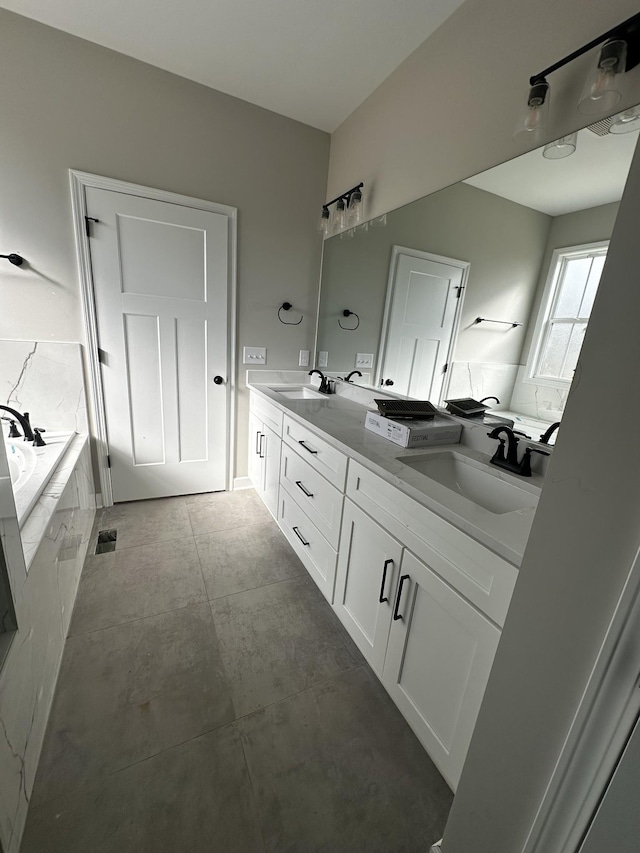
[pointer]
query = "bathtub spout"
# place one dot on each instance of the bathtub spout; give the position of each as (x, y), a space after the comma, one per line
(23, 420)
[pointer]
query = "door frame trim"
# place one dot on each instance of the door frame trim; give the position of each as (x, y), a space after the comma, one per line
(386, 317)
(98, 425)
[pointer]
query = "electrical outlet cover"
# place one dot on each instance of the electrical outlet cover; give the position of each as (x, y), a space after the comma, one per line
(323, 358)
(303, 360)
(364, 359)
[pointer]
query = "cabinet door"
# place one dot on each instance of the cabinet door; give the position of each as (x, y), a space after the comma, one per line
(438, 661)
(368, 564)
(256, 443)
(271, 461)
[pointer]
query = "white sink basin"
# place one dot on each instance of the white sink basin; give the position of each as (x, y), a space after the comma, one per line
(301, 392)
(475, 481)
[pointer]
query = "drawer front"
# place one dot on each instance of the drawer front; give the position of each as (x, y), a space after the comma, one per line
(482, 577)
(317, 555)
(317, 497)
(270, 415)
(331, 463)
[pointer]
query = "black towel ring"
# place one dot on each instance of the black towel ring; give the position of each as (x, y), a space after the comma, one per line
(347, 313)
(286, 306)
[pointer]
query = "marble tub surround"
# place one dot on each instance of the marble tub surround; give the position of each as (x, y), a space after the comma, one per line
(482, 379)
(46, 461)
(537, 401)
(341, 421)
(56, 536)
(45, 378)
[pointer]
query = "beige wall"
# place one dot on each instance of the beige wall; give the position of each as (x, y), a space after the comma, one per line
(446, 113)
(450, 110)
(67, 103)
(503, 241)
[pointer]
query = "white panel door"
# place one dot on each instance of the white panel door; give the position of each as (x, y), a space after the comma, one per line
(438, 661)
(368, 563)
(421, 317)
(160, 273)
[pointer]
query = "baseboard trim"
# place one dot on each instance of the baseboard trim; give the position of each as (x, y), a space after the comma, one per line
(242, 483)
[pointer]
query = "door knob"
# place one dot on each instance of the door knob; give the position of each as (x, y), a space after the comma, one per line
(218, 380)
(388, 381)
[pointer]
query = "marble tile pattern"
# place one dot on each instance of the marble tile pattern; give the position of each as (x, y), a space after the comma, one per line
(45, 378)
(537, 401)
(482, 379)
(56, 544)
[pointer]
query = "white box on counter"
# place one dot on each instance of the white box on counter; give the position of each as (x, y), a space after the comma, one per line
(415, 433)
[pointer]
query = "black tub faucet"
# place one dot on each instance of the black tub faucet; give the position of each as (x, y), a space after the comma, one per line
(544, 438)
(353, 373)
(484, 399)
(23, 420)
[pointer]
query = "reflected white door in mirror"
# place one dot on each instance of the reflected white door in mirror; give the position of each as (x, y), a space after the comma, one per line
(422, 307)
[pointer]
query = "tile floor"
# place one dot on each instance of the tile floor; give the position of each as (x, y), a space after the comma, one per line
(210, 701)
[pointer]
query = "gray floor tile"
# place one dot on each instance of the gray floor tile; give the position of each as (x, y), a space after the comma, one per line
(145, 522)
(336, 768)
(195, 797)
(240, 559)
(137, 582)
(278, 640)
(127, 692)
(224, 510)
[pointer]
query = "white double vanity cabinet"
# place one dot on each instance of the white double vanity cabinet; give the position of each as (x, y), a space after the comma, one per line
(423, 599)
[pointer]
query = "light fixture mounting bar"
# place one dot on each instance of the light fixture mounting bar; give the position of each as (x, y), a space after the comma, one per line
(628, 30)
(346, 195)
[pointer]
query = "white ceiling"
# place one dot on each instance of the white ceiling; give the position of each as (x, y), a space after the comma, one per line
(594, 174)
(311, 60)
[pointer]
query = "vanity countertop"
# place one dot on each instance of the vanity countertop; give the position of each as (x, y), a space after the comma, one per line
(341, 421)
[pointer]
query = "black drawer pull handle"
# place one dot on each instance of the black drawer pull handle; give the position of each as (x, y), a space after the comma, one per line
(258, 434)
(261, 454)
(302, 489)
(304, 541)
(397, 615)
(383, 598)
(305, 446)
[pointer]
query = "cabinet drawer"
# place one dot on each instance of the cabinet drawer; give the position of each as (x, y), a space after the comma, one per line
(481, 576)
(317, 555)
(270, 415)
(319, 499)
(319, 454)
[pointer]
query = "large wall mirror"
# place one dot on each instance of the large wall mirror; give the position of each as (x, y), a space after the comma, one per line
(483, 288)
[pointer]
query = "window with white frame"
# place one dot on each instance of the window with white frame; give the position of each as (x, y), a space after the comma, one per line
(571, 287)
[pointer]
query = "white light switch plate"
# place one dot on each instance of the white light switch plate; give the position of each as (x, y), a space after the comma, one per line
(364, 359)
(303, 361)
(254, 355)
(323, 358)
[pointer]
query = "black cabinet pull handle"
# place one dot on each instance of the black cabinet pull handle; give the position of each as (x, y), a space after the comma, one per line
(383, 598)
(258, 442)
(261, 454)
(397, 615)
(305, 447)
(304, 541)
(302, 489)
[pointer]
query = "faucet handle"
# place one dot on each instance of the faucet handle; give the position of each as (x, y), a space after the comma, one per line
(525, 465)
(38, 440)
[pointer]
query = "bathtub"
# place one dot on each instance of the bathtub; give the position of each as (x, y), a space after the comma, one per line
(31, 468)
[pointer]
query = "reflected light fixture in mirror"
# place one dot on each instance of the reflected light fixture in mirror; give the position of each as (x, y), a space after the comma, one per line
(626, 122)
(563, 147)
(602, 90)
(534, 117)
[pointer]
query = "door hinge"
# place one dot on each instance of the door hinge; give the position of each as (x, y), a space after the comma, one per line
(87, 220)
(445, 368)
(108, 460)
(459, 293)
(102, 356)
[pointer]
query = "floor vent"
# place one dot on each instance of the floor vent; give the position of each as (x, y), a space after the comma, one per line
(106, 541)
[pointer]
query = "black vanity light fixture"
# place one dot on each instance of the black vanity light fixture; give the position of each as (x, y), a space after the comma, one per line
(348, 212)
(287, 306)
(619, 52)
(16, 260)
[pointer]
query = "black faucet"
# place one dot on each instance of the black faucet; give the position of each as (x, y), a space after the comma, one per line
(489, 398)
(510, 462)
(23, 420)
(353, 373)
(325, 385)
(544, 438)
